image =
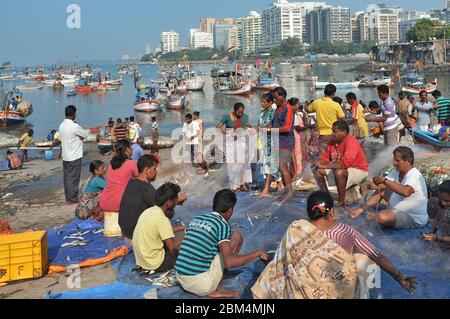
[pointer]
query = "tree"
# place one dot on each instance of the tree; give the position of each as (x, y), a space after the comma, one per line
(426, 29)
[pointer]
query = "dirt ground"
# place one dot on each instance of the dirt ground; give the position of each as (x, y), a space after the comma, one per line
(33, 199)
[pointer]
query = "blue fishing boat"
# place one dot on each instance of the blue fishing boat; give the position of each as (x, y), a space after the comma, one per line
(429, 138)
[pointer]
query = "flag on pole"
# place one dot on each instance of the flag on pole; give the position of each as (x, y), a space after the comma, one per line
(231, 49)
(268, 66)
(258, 64)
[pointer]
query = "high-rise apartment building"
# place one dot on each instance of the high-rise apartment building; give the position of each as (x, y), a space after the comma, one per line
(207, 24)
(283, 20)
(199, 39)
(170, 42)
(332, 24)
(251, 32)
(383, 23)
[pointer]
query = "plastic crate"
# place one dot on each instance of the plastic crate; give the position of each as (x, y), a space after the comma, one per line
(23, 256)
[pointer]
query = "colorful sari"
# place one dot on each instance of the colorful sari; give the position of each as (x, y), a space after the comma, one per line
(269, 165)
(88, 204)
(300, 155)
(308, 265)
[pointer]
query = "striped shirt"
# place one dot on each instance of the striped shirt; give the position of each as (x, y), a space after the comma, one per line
(388, 108)
(201, 244)
(444, 109)
(352, 241)
(121, 132)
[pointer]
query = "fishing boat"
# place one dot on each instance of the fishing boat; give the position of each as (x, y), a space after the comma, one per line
(58, 85)
(146, 106)
(195, 83)
(176, 102)
(72, 92)
(429, 138)
(104, 144)
(307, 78)
(339, 85)
(10, 117)
(414, 88)
(265, 84)
(29, 88)
(83, 89)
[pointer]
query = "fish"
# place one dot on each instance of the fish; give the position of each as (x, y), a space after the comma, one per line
(74, 237)
(75, 243)
(95, 232)
(249, 220)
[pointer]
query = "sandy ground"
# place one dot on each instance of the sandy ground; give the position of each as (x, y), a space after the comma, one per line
(33, 198)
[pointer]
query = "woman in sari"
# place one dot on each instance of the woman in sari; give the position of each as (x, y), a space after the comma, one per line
(88, 200)
(300, 155)
(323, 259)
(238, 164)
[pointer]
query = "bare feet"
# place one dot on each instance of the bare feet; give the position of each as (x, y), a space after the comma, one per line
(263, 194)
(244, 188)
(224, 293)
(355, 213)
(280, 186)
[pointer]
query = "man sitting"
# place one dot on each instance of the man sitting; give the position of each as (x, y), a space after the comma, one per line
(154, 244)
(209, 247)
(404, 190)
(345, 158)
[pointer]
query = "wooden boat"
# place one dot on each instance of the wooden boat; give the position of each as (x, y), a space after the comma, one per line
(72, 92)
(195, 83)
(428, 138)
(83, 89)
(265, 84)
(58, 86)
(104, 144)
(10, 117)
(311, 78)
(416, 88)
(146, 106)
(45, 144)
(176, 102)
(339, 86)
(243, 89)
(29, 88)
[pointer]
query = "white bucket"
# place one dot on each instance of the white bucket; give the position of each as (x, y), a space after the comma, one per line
(112, 228)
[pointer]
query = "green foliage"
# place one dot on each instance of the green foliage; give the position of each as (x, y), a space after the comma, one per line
(147, 58)
(288, 48)
(426, 29)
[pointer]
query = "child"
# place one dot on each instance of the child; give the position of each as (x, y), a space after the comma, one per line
(375, 111)
(88, 206)
(442, 220)
(154, 132)
(209, 248)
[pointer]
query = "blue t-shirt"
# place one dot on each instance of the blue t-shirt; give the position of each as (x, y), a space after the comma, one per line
(138, 152)
(96, 185)
(201, 244)
(284, 118)
(443, 130)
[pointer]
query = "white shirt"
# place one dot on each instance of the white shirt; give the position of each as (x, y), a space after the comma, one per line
(137, 128)
(71, 142)
(416, 204)
(191, 130)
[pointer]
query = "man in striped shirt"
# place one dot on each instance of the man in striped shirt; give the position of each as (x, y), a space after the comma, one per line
(209, 247)
(391, 122)
(443, 107)
(120, 131)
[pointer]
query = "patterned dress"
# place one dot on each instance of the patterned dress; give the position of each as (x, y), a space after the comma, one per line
(301, 146)
(265, 119)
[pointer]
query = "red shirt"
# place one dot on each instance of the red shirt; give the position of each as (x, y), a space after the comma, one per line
(349, 154)
(116, 182)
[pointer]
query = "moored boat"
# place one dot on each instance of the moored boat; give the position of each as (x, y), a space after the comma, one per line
(339, 85)
(429, 138)
(146, 106)
(416, 88)
(10, 117)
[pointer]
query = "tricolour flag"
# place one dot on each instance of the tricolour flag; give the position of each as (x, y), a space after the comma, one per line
(232, 48)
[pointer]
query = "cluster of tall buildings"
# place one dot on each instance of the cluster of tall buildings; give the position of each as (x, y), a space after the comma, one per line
(310, 22)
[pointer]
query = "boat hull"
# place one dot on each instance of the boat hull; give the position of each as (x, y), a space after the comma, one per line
(339, 86)
(146, 106)
(195, 84)
(11, 118)
(431, 139)
(413, 91)
(244, 90)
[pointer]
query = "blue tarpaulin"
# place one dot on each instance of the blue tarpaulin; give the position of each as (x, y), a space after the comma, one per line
(116, 290)
(99, 245)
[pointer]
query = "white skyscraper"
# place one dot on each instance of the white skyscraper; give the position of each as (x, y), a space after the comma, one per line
(383, 23)
(251, 32)
(199, 39)
(329, 24)
(232, 38)
(170, 42)
(283, 20)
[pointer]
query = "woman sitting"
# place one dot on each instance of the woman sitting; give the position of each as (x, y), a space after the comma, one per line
(121, 170)
(323, 259)
(88, 205)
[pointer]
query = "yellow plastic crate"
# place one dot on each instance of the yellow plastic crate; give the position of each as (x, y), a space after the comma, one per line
(23, 256)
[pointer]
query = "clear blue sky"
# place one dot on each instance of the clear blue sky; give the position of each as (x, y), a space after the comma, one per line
(34, 32)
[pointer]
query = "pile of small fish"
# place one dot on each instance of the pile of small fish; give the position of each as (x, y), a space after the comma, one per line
(166, 280)
(78, 239)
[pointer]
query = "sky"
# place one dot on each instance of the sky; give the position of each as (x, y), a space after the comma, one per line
(35, 32)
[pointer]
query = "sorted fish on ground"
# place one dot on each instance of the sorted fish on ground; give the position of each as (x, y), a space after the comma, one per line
(249, 220)
(74, 237)
(166, 280)
(75, 243)
(95, 232)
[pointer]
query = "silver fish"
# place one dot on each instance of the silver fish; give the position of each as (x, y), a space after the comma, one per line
(249, 220)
